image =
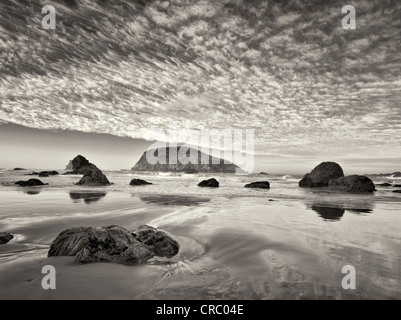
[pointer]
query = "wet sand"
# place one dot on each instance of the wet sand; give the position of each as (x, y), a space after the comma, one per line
(232, 247)
(239, 248)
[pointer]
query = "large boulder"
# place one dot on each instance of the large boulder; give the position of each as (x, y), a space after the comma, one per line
(113, 244)
(31, 183)
(5, 237)
(258, 184)
(352, 184)
(162, 244)
(139, 182)
(321, 175)
(211, 183)
(93, 176)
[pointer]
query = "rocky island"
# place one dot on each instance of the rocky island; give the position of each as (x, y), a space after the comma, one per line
(171, 162)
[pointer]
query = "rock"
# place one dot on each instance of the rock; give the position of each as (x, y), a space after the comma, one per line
(171, 162)
(31, 183)
(263, 174)
(321, 175)
(47, 173)
(93, 176)
(69, 166)
(138, 182)
(397, 191)
(397, 186)
(397, 174)
(384, 184)
(70, 172)
(113, 244)
(162, 244)
(70, 241)
(353, 184)
(258, 184)
(5, 237)
(212, 183)
(79, 162)
(19, 169)
(34, 173)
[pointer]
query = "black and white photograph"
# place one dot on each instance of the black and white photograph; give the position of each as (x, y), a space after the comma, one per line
(218, 151)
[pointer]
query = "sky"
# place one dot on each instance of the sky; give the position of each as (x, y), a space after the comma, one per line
(311, 90)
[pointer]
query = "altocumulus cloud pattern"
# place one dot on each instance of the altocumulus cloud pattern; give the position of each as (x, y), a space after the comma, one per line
(284, 68)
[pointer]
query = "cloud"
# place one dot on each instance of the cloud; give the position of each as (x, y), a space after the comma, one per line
(289, 71)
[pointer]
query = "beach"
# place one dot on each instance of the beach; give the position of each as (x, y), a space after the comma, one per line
(235, 243)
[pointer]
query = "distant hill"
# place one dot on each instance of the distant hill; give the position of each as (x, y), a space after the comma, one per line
(193, 167)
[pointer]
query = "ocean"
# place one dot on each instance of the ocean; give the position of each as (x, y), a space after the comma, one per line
(235, 243)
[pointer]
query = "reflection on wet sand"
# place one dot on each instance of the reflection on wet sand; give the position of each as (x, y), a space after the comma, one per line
(88, 197)
(32, 192)
(169, 200)
(329, 213)
(334, 212)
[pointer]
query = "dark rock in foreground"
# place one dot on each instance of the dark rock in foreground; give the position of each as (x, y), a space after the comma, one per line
(397, 191)
(321, 175)
(384, 184)
(31, 183)
(161, 243)
(352, 184)
(212, 183)
(397, 174)
(397, 186)
(258, 184)
(113, 244)
(93, 176)
(19, 169)
(5, 237)
(139, 182)
(48, 173)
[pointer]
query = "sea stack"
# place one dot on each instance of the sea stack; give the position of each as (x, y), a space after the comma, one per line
(93, 176)
(169, 160)
(321, 175)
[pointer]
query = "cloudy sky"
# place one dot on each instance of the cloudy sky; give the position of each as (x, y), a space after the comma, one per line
(311, 90)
